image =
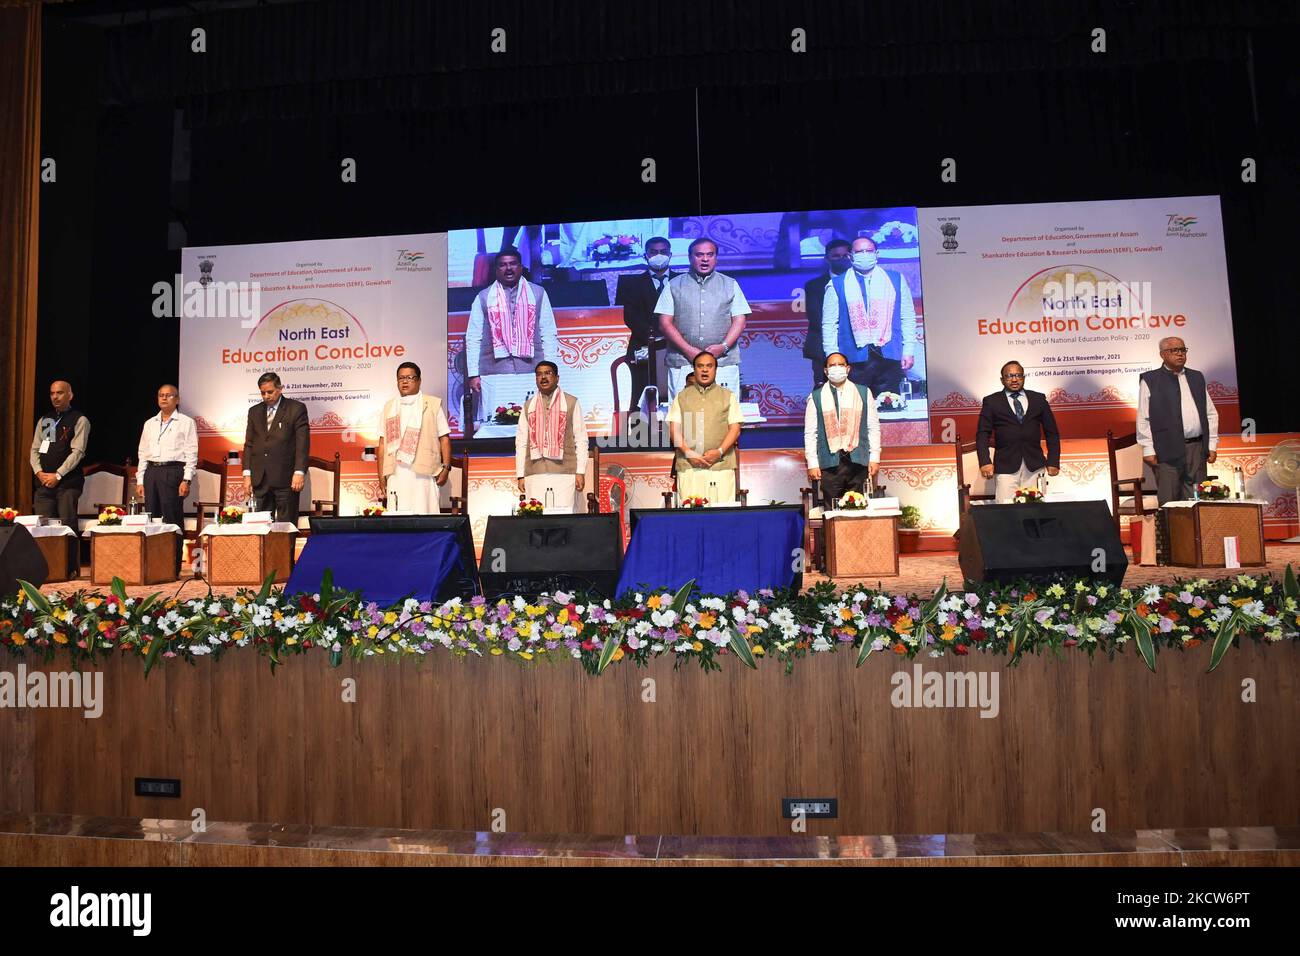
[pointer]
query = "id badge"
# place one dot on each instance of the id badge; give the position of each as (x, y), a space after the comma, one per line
(45, 446)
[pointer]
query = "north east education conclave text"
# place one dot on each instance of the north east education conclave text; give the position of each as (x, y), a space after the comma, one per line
(322, 353)
(1049, 325)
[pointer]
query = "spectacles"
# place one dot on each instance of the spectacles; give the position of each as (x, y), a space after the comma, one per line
(1181, 351)
(407, 378)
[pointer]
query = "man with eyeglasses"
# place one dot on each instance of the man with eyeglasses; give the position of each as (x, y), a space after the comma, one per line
(1177, 423)
(414, 454)
(1018, 421)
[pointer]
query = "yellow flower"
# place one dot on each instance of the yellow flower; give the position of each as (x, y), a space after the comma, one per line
(618, 654)
(1003, 609)
(277, 616)
(758, 650)
(390, 617)
(707, 620)
(290, 641)
(372, 631)
(60, 637)
(563, 616)
(526, 655)
(753, 629)
(1194, 612)
(904, 624)
(496, 651)
(653, 602)
(697, 646)
(238, 636)
(845, 614)
(550, 635)
(949, 632)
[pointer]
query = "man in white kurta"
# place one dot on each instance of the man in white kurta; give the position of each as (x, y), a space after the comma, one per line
(551, 445)
(414, 453)
(704, 422)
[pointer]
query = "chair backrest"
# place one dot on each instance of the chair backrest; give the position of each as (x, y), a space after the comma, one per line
(322, 483)
(106, 484)
(208, 489)
(968, 473)
(1126, 459)
(457, 486)
(591, 481)
(620, 369)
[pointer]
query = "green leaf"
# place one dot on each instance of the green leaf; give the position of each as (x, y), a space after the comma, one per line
(607, 652)
(265, 593)
(119, 588)
(1290, 588)
(742, 649)
(155, 648)
(931, 607)
(867, 646)
(39, 600)
(1227, 631)
(682, 596)
(1020, 636)
(327, 587)
(1140, 628)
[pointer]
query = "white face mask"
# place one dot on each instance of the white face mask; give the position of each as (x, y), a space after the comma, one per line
(837, 374)
(864, 260)
(659, 262)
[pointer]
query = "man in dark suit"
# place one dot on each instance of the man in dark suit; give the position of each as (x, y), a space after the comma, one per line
(637, 294)
(276, 445)
(1018, 421)
(838, 259)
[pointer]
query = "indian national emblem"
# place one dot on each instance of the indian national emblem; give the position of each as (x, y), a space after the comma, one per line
(205, 268)
(949, 230)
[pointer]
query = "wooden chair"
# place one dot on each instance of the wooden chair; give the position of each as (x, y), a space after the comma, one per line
(742, 494)
(458, 477)
(814, 528)
(322, 473)
(1132, 483)
(978, 488)
(106, 484)
(592, 480)
(207, 496)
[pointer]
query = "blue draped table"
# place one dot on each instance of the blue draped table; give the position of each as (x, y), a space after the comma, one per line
(385, 567)
(722, 549)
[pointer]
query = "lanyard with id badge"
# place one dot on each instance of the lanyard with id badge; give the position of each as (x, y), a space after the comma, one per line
(51, 431)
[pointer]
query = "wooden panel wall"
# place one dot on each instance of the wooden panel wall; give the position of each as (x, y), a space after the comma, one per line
(445, 744)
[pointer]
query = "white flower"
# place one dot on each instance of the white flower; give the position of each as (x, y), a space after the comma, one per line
(821, 644)
(664, 618)
(214, 608)
(683, 647)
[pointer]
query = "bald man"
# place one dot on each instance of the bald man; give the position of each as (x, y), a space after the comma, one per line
(58, 448)
(169, 454)
(1177, 423)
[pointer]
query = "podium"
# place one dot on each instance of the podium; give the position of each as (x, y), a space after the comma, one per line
(137, 557)
(861, 545)
(1197, 530)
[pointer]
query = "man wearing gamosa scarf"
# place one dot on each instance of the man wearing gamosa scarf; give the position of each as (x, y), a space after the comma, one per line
(414, 455)
(841, 433)
(551, 443)
(511, 328)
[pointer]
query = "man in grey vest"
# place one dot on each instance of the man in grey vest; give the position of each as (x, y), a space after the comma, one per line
(551, 443)
(58, 447)
(1177, 424)
(702, 311)
(511, 329)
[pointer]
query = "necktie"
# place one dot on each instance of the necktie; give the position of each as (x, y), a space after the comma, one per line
(270, 414)
(1015, 404)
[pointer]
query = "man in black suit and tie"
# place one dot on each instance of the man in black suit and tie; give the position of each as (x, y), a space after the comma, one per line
(839, 257)
(637, 294)
(1017, 420)
(276, 445)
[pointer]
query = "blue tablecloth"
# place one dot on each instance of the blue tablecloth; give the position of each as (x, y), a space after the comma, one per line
(385, 566)
(723, 550)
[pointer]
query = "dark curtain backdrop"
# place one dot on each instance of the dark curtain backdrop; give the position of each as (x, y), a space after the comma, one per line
(448, 134)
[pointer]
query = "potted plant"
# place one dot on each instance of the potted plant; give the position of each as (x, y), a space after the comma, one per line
(909, 529)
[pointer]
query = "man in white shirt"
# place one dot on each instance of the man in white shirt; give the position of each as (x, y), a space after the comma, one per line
(169, 453)
(864, 310)
(551, 444)
(841, 433)
(1177, 423)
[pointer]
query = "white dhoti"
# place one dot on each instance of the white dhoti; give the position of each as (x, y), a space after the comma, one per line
(728, 377)
(415, 493)
(504, 389)
(717, 486)
(1005, 485)
(564, 489)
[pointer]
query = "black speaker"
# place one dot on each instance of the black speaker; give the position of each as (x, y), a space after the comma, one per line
(20, 558)
(529, 555)
(1006, 542)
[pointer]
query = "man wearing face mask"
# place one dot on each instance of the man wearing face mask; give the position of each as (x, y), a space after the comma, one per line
(863, 307)
(1018, 421)
(839, 257)
(841, 433)
(637, 294)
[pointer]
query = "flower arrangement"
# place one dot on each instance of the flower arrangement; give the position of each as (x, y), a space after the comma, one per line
(111, 515)
(508, 414)
(530, 507)
(694, 502)
(890, 401)
(909, 518)
(372, 511)
(231, 514)
(853, 501)
(609, 248)
(687, 627)
(1213, 490)
(7, 515)
(1027, 496)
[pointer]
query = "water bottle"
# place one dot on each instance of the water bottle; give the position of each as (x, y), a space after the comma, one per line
(905, 390)
(548, 500)
(713, 492)
(392, 498)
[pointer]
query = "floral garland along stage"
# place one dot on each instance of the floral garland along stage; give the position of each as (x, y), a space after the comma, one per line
(999, 619)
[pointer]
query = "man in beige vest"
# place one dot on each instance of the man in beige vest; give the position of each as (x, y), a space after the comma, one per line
(704, 423)
(551, 444)
(414, 446)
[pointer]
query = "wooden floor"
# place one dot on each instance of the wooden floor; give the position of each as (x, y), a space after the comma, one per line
(918, 573)
(60, 840)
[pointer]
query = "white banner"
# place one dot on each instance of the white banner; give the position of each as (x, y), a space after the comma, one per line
(333, 317)
(1080, 294)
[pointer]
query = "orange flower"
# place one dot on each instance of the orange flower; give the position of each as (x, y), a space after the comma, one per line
(1195, 612)
(1031, 596)
(1142, 609)
(1173, 616)
(845, 614)
(1193, 642)
(900, 648)
(707, 620)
